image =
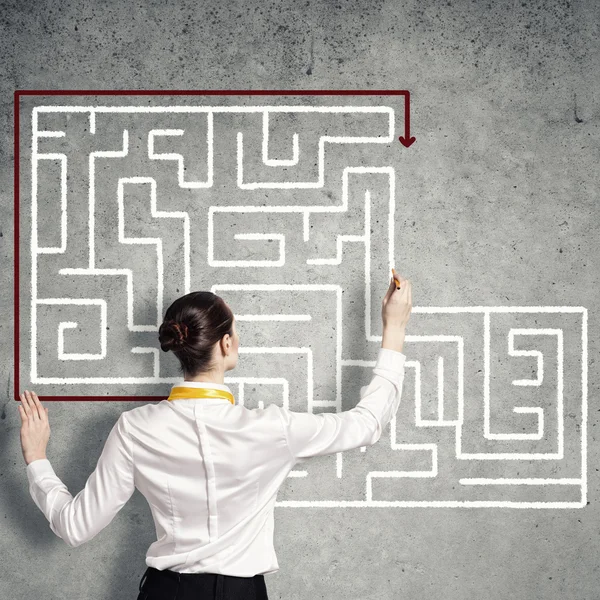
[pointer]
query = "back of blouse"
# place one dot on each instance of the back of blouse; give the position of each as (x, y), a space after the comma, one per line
(210, 472)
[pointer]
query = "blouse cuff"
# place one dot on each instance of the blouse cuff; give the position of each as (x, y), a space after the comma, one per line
(38, 468)
(390, 359)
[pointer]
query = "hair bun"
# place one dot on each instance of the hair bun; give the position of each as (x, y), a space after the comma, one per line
(172, 335)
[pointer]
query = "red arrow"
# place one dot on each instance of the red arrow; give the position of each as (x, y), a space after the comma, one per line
(405, 139)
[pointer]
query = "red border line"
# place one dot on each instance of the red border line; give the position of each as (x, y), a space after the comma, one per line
(19, 93)
(212, 93)
(16, 234)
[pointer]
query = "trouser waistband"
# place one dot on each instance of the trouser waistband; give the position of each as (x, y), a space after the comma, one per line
(176, 576)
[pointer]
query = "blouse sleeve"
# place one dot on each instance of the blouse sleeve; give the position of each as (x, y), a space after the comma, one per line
(77, 520)
(310, 434)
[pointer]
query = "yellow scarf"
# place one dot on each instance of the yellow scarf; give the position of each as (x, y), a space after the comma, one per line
(181, 392)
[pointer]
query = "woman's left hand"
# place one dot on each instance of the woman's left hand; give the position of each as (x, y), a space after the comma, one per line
(35, 428)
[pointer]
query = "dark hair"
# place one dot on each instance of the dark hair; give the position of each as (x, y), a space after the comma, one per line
(193, 324)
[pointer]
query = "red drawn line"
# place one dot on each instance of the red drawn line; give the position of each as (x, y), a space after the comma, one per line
(16, 244)
(406, 140)
(212, 92)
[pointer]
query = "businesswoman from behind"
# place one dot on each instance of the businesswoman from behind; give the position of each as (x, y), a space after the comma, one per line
(209, 467)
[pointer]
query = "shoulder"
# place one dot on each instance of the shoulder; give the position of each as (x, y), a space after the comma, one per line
(142, 414)
(269, 415)
(271, 411)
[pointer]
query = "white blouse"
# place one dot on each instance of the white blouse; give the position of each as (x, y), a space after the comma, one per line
(210, 471)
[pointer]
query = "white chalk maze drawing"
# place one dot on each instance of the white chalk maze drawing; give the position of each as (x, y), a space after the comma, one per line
(134, 206)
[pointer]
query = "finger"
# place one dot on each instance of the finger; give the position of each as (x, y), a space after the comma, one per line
(38, 405)
(33, 413)
(25, 405)
(390, 290)
(22, 413)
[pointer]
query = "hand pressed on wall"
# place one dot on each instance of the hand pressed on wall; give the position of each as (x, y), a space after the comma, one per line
(35, 428)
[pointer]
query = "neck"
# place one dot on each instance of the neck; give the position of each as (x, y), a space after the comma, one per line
(216, 377)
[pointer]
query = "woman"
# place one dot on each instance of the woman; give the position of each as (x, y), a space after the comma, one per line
(210, 469)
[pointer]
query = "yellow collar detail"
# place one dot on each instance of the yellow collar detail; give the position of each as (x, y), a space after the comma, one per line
(184, 392)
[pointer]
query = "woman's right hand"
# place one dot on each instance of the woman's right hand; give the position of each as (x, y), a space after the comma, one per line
(397, 303)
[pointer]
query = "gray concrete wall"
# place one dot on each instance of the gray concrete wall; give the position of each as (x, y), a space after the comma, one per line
(496, 205)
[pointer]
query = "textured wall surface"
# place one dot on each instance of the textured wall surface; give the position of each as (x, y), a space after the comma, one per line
(496, 205)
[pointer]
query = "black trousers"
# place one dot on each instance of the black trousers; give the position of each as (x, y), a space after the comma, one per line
(170, 585)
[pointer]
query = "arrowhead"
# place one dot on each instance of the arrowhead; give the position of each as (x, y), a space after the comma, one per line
(407, 142)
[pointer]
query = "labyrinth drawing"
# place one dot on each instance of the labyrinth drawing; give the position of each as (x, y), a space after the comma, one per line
(270, 201)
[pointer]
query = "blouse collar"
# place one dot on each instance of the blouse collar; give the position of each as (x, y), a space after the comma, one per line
(201, 384)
